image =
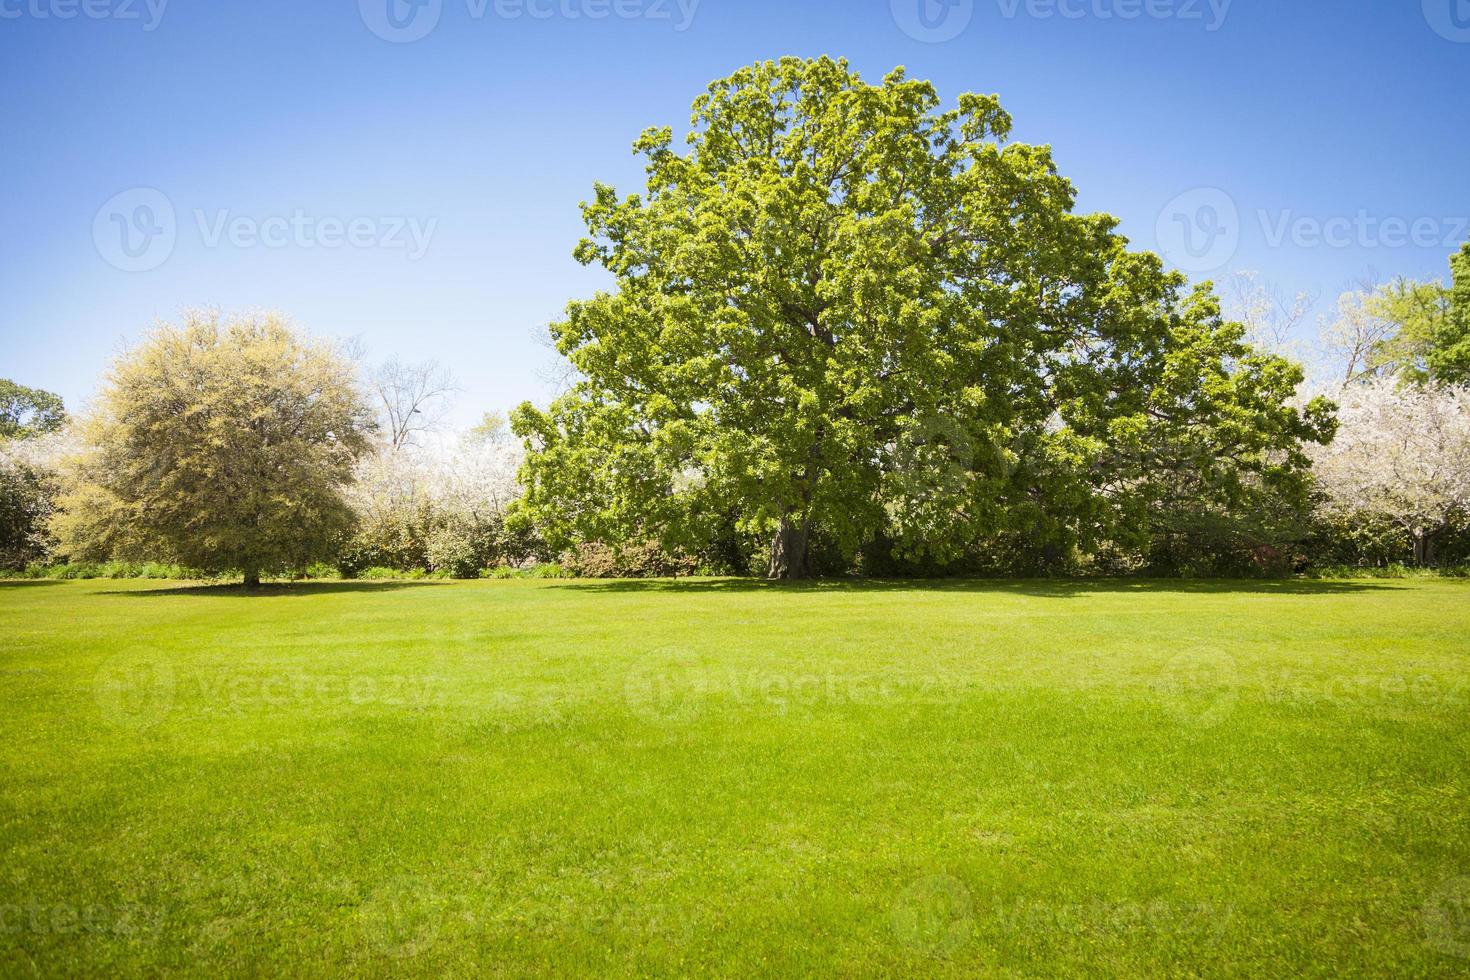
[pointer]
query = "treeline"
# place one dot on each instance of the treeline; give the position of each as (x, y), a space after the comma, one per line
(238, 446)
(851, 333)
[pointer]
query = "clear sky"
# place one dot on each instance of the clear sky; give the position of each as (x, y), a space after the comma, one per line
(409, 170)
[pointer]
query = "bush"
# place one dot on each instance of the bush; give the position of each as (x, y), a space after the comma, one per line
(648, 560)
(395, 574)
(1393, 571)
(550, 570)
(113, 570)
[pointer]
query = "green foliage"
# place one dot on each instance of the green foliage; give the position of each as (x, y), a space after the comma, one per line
(1391, 572)
(433, 538)
(28, 487)
(221, 445)
(27, 495)
(1365, 540)
(68, 571)
(544, 571)
(1431, 340)
(647, 560)
(395, 574)
(847, 316)
(390, 539)
(27, 412)
(431, 543)
(1451, 359)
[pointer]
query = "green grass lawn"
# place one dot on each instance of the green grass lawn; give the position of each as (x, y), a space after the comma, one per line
(735, 778)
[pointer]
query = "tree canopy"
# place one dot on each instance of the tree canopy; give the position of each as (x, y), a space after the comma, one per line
(222, 444)
(1428, 327)
(847, 312)
(27, 412)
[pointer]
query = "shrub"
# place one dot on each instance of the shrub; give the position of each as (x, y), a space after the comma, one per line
(648, 560)
(393, 574)
(113, 570)
(546, 571)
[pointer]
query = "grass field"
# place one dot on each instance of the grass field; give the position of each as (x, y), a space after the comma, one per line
(736, 778)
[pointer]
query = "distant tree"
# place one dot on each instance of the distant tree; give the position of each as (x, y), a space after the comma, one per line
(1353, 339)
(1402, 456)
(31, 422)
(848, 313)
(221, 444)
(1270, 317)
(27, 412)
(28, 489)
(413, 399)
(492, 428)
(1419, 313)
(1431, 326)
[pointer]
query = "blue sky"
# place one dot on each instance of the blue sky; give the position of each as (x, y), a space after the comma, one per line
(421, 192)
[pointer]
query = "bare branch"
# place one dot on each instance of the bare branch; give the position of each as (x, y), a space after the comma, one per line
(414, 398)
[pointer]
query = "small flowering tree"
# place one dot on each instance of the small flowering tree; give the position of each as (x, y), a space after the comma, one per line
(225, 442)
(1402, 456)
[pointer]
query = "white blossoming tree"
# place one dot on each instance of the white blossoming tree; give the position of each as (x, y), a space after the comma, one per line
(1402, 455)
(442, 506)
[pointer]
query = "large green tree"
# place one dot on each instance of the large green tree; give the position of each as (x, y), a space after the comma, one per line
(845, 310)
(223, 444)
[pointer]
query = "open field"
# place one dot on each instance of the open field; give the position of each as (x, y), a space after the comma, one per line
(736, 778)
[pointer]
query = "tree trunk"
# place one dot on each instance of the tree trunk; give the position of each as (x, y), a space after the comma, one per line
(790, 557)
(252, 578)
(1424, 548)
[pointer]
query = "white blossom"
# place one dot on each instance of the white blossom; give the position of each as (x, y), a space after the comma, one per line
(1402, 454)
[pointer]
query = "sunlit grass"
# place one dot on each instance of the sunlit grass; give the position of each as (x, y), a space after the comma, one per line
(735, 778)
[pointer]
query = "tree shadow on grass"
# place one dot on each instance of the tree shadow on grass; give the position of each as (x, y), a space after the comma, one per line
(273, 590)
(1042, 588)
(16, 583)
